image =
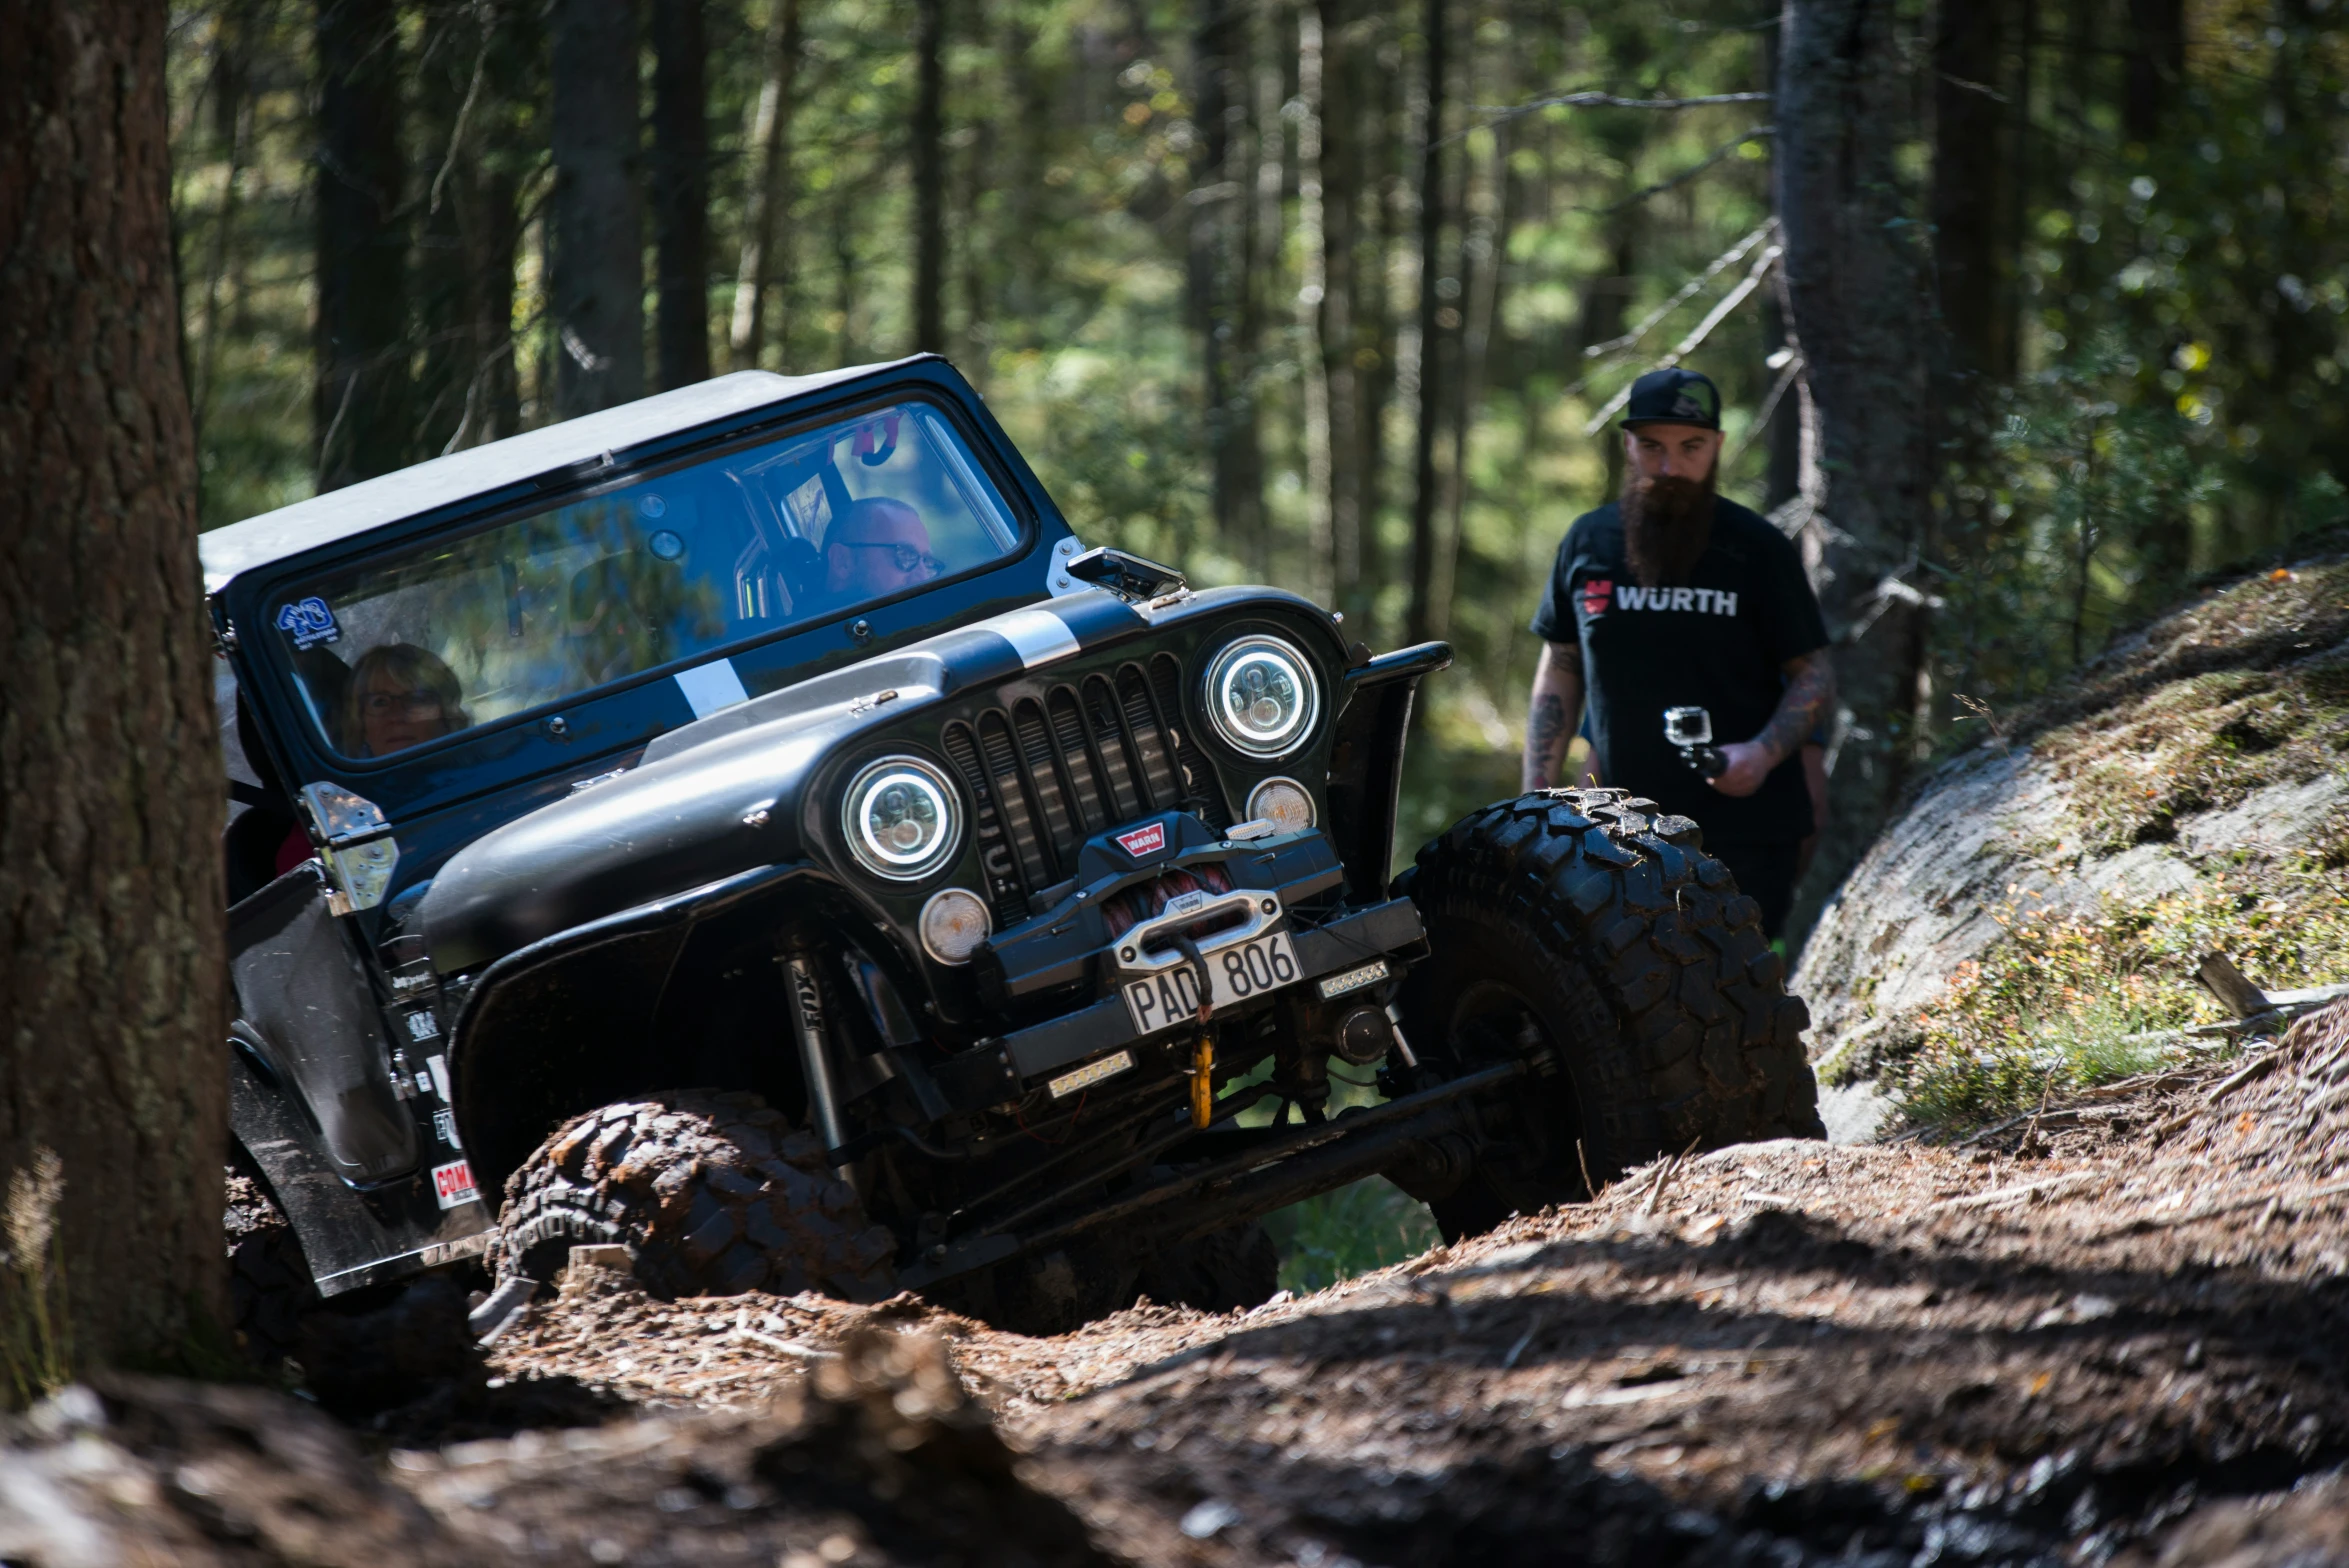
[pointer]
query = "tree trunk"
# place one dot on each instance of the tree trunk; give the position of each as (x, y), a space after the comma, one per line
(1313, 346)
(1434, 340)
(764, 264)
(681, 192)
(929, 176)
(1852, 289)
(2157, 66)
(597, 287)
(1389, 190)
(231, 120)
(360, 408)
(1220, 272)
(110, 775)
(472, 83)
(1484, 239)
(1974, 162)
(1339, 119)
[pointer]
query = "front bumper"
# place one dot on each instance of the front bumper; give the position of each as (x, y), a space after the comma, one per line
(1000, 1069)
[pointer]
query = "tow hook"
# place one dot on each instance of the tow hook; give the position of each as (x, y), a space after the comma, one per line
(1202, 1082)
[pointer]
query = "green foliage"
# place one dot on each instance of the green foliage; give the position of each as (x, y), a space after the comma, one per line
(2185, 331)
(2181, 296)
(2050, 1008)
(1356, 1229)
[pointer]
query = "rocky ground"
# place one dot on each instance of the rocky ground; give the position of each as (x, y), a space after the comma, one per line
(2113, 1332)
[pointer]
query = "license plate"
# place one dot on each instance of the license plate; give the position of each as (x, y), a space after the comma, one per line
(1236, 973)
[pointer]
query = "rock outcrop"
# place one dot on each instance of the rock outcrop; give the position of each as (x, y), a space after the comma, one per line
(2209, 750)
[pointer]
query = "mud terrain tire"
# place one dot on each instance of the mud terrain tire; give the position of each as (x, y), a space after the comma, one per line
(1222, 1271)
(1583, 929)
(715, 1193)
(269, 1286)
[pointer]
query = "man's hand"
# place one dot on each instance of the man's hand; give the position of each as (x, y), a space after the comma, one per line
(1749, 762)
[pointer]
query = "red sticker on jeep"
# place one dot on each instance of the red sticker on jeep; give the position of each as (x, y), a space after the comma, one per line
(452, 1184)
(1144, 840)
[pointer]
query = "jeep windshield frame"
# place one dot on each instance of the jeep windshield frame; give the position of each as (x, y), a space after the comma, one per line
(663, 570)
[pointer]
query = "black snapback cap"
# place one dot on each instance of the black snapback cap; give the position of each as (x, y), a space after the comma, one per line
(1673, 397)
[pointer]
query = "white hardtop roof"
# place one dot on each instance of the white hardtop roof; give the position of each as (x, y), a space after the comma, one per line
(388, 498)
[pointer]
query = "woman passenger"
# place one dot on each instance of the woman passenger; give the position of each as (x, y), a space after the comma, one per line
(400, 696)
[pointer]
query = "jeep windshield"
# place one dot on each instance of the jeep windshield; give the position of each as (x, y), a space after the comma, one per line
(407, 648)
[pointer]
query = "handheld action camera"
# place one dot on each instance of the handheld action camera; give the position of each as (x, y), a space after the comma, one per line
(1691, 729)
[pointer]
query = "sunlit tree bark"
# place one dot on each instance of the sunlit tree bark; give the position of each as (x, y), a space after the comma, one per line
(110, 779)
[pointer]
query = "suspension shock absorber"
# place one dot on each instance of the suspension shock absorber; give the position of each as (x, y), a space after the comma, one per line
(1202, 1081)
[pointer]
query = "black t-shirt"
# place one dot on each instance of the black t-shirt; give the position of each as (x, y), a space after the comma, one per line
(1716, 643)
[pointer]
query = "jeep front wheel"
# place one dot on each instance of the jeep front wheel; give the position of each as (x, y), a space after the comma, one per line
(1581, 931)
(714, 1193)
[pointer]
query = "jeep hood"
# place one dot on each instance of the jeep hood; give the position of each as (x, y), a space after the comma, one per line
(728, 794)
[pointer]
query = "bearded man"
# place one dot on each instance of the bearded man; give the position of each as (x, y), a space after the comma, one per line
(1673, 597)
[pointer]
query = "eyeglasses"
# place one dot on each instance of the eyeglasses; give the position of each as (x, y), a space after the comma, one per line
(906, 556)
(414, 704)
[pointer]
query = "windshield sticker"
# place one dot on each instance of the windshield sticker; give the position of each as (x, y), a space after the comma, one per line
(309, 622)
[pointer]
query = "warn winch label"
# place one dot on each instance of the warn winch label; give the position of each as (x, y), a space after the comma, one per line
(1143, 840)
(452, 1184)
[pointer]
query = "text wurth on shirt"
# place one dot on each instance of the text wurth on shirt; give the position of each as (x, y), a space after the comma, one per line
(1630, 596)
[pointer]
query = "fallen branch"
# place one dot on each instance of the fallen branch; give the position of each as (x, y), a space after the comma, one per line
(783, 1347)
(1998, 1195)
(2260, 1067)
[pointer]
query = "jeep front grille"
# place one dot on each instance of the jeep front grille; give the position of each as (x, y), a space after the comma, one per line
(1048, 773)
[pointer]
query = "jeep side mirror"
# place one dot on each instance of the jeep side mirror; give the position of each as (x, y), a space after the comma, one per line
(1127, 576)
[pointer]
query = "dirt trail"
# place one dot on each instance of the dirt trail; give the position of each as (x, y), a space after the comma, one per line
(2074, 1339)
(2117, 1331)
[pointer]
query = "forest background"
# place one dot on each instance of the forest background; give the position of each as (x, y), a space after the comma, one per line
(1337, 295)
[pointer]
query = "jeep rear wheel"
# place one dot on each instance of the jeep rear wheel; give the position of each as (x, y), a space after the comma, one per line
(269, 1284)
(714, 1193)
(1578, 930)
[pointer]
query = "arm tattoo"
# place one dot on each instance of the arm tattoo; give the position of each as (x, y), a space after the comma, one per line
(1545, 741)
(1809, 694)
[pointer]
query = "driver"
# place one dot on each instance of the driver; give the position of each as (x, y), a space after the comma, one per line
(875, 548)
(400, 696)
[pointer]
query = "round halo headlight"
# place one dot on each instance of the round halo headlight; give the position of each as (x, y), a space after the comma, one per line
(1262, 697)
(901, 818)
(954, 922)
(1282, 802)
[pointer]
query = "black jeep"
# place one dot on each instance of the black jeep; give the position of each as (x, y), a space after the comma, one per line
(747, 827)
